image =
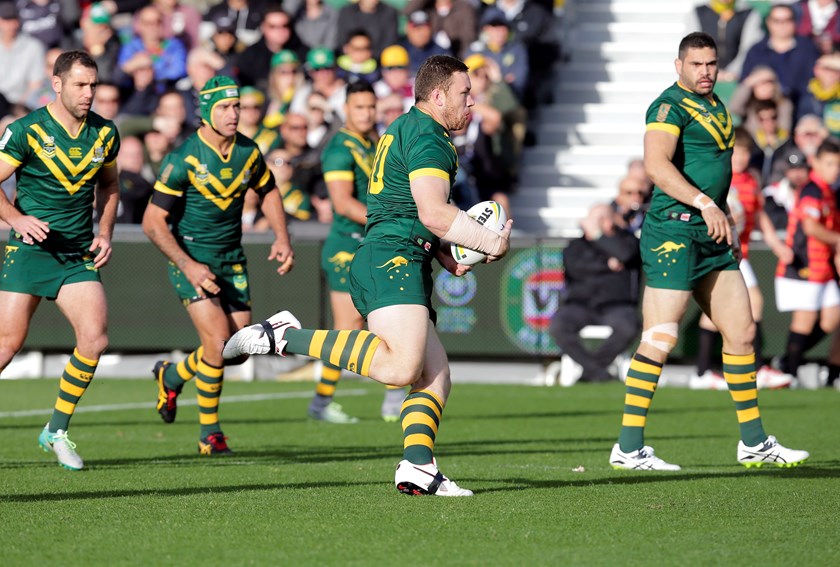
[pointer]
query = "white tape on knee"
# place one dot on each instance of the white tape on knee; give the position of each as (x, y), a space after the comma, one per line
(662, 337)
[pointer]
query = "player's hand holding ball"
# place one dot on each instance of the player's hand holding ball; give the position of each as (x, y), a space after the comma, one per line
(490, 215)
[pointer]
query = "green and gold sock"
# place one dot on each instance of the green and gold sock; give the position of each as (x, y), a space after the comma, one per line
(420, 419)
(208, 381)
(352, 350)
(74, 381)
(330, 374)
(739, 371)
(641, 381)
(176, 375)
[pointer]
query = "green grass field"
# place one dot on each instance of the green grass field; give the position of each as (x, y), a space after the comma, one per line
(304, 493)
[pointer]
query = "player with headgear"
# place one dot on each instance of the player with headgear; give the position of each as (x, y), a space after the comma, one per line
(200, 193)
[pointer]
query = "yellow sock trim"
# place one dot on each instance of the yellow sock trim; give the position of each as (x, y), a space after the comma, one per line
(374, 344)
(739, 378)
(64, 406)
(88, 361)
(744, 396)
(420, 418)
(338, 347)
(738, 358)
(418, 439)
(330, 373)
(71, 389)
(747, 414)
(630, 420)
(208, 418)
(317, 343)
(638, 401)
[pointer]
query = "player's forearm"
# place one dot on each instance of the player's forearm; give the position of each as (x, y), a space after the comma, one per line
(158, 232)
(272, 208)
(8, 212)
(351, 208)
(109, 199)
(669, 179)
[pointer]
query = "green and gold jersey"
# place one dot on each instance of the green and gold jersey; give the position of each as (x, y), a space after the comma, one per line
(205, 191)
(415, 145)
(348, 157)
(57, 172)
(704, 149)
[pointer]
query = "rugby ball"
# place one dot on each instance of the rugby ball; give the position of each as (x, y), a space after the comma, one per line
(488, 214)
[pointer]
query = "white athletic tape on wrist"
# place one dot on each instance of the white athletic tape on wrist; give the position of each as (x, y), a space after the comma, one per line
(662, 337)
(703, 202)
(466, 231)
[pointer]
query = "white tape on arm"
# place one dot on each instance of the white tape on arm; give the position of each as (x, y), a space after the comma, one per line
(465, 231)
(703, 202)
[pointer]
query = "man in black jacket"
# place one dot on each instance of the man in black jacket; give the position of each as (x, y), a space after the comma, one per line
(602, 288)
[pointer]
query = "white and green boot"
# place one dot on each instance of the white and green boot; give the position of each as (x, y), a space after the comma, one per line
(64, 449)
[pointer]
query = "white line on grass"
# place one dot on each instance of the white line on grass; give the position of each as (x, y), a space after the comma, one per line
(190, 402)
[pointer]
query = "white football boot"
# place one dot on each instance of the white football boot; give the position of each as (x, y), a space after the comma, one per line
(770, 452)
(767, 378)
(640, 460)
(418, 480)
(708, 381)
(64, 449)
(262, 338)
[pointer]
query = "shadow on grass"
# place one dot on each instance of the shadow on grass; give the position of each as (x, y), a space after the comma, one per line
(181, 491)
(805, 472)
(511, 484)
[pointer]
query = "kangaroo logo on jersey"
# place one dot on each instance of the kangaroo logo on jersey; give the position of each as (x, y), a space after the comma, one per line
(98, 154)
(395, 262)
(667, 248)
(342, 259)
(246, 177)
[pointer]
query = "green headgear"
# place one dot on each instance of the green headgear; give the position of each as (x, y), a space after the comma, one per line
(215, 91)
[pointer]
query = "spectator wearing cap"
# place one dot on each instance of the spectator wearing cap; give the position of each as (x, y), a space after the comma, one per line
(224, 41)
(254, 63)
(168, 57)
(822, 97)
(285, 79)
(780, 197)
(323, 78)
(47, 20)
(508, 52)
(536, 27)
(808, 134)
(180, 20)
(96, 36)
(419, 41)
(356, 61)
(21, 58)
(791, 57)
(378, 19)
(247, 15)
(202, 65)
(316, 24)
(396, 76)
(453, 23)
